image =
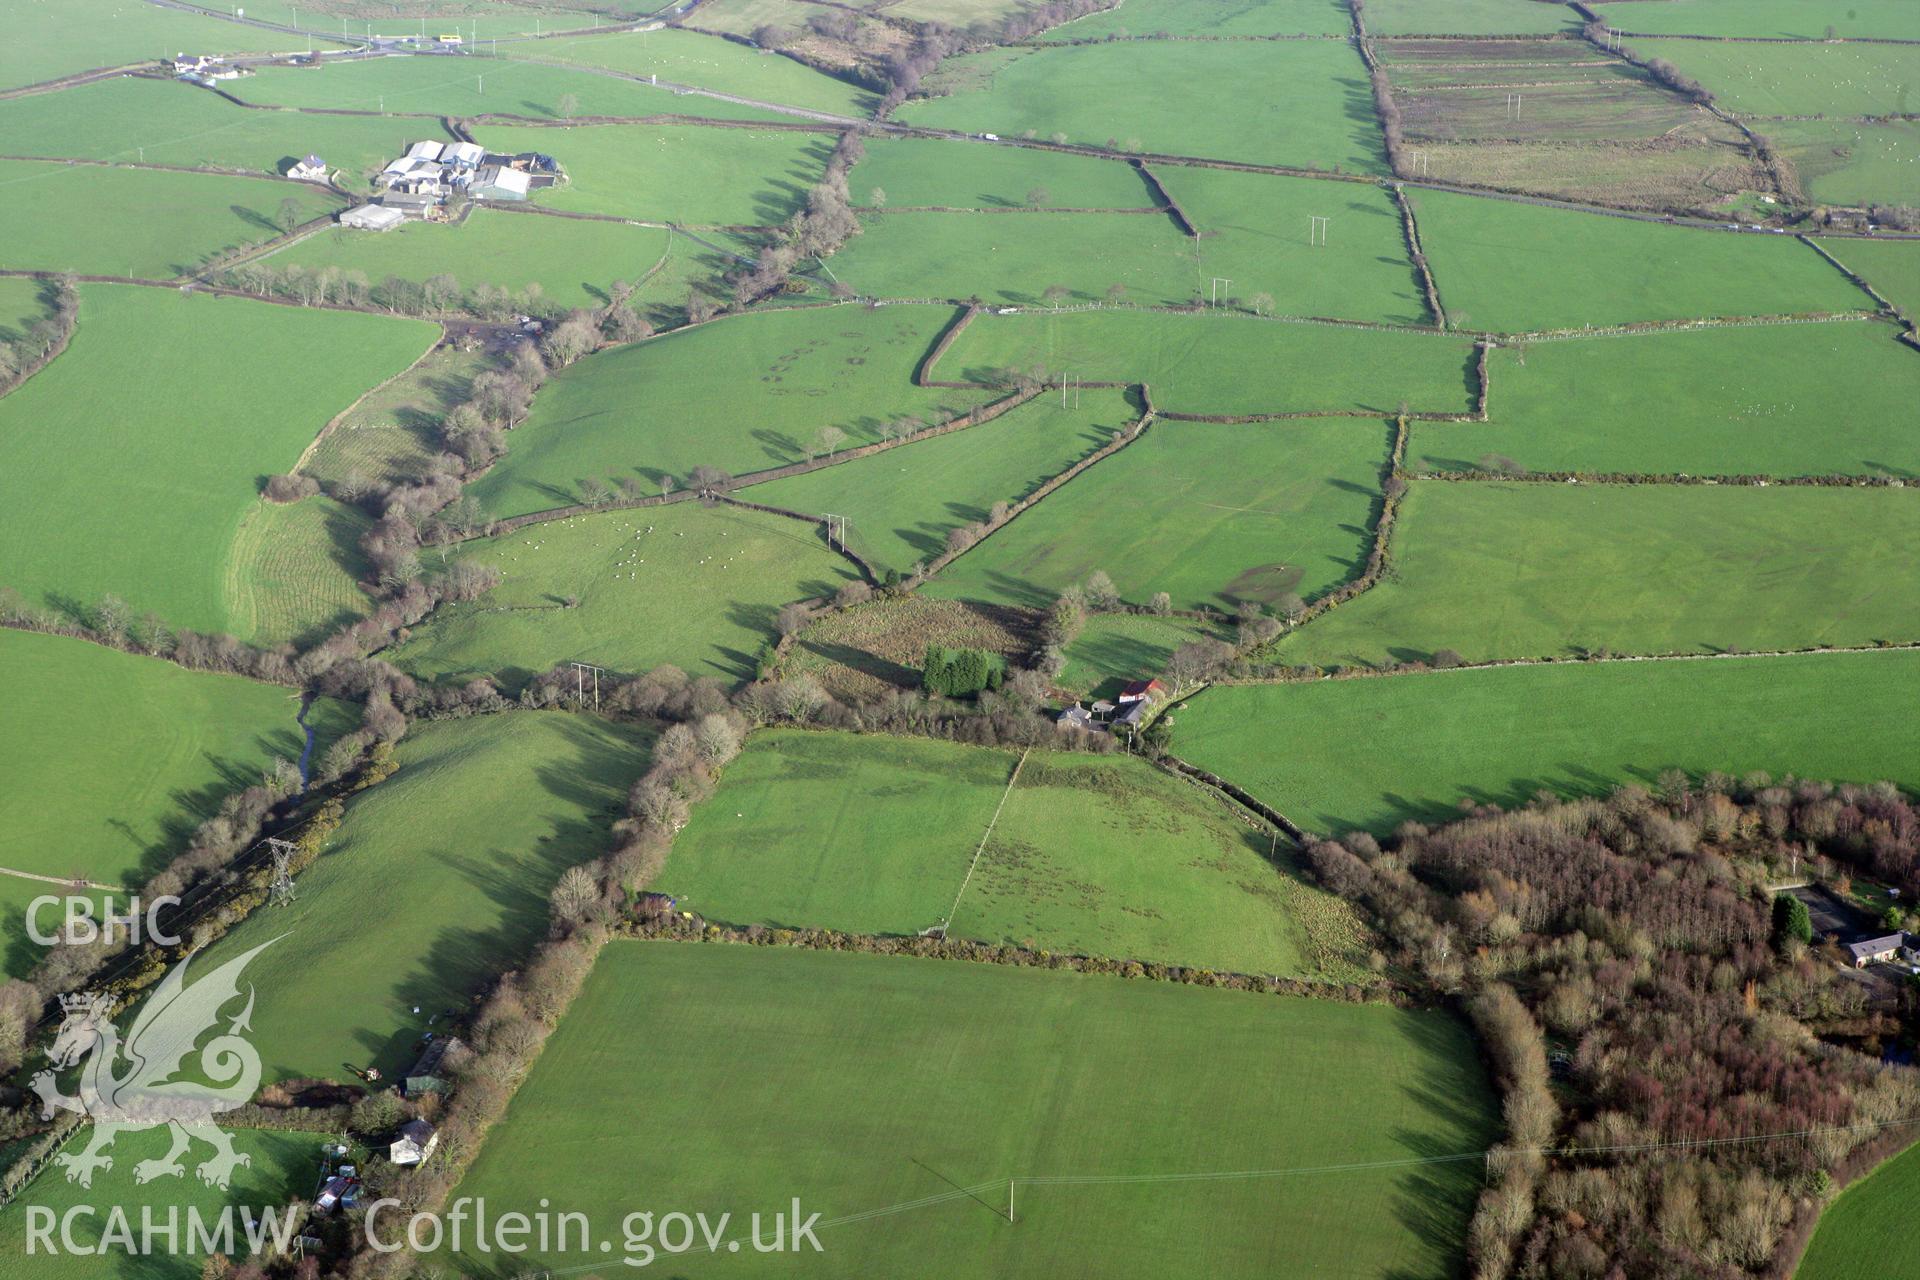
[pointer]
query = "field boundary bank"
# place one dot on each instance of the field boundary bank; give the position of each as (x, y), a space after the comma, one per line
(1234, 793)
(890, 210)
(1171, 37)
(1861, 282)
(207, 170)
(1379, 548)
(866, 570)
(1172, 205)
(1712, 39)
(1629, 479)
(1411, 227)
(306, 454)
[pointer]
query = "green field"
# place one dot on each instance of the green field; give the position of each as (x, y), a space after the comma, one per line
(1469, 17)
(1114, 648)
(1210, 18)
(700, 591)
(923, 172)
(1849, 162)
(1767, 19)
(1015, 258)
(47, 39)
(435, 882)
(1797, 79)
(1864, 1231)
(20, 305)
(1213, 515)
(469, 18)
(1304, 104)
(294, 571)
(1509, 267)
(709, 62)
(19, 953)
(745, 394)
(1256, 231)
(572, 260)
(900, 504)
(392, 433)
(1373, 752)
(899, 1079)
(676, 173)
(1225, 363)
(1731, 401)
(128, 464)
(1890, 266)
(137, 750)
(282, 1167)
(138, 222)
(166, 122)
(1498, 571)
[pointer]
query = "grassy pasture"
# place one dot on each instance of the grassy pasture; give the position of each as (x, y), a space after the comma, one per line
(1468, 17)
(293, 571)
(1767, 19)
(1114, 648)
(901, 503)
(1213, 515)
(1730, 401)
(481, 18)
(1255, 230)
(1862, 1231)
(676, 173)
(166, 122)
(923, 172)
(699, 591)
(141, 222)
(1848, 162)
(127, 465)
(1014, 258)
(709, 62)
(392, 432)
(1797, 79)
(1890, 266)
(48, 39)
(1373, 752)
(1630, 568)
(1110, 1077)
(746, 394)
(572, 260)
(137, 750)
(438, 877)
(1210, 18)
(426, 87)
(1303, 104)
(1510, 267)
(20, 306)
(1225, 363)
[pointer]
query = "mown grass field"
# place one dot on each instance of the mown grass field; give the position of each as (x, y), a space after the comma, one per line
(48, 39)
(137, 750)
(676, 173)
(1114, 648)
(1732, 401)
(746, 394)
(1864, 1231)
(150, 223)
(901, 503)
(709, 62)
(293, 571)
(1013, 259)
(1631, 569)
(1890, 266)
(166, 122)
(1374, 752)
(1257, 231)
(572, 260)
(437, 879)
(1510, 267)
(1225, 363)
(127, 464)
(282, 1166)
(1845, 162)
(1209, 18)
(1767, 19)
(700, 591)
(392, 433)
(1039, 1074)
(926, 172)
(1797, 79)
(1213, 515)
(1303, 104)
(1468, 17)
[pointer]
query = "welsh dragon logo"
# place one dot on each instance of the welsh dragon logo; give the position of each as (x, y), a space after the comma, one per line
(162, 1040)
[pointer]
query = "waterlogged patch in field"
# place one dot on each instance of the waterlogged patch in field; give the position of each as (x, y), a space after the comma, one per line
(685, 584)
(294, 571)
(1510, 267)
(1497, 571)
(148, 223)
(1037, 1071)
(1298, 103)
(145, 424)
(1209, 18)
(744, 394)
(929, 172)
(1846, 79)
(1374, 752)
(1213, 515)
(900, 505)
(1752, 400)
(1225, 363)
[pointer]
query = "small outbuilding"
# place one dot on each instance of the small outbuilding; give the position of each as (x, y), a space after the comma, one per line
(1875, 950)
(311, 169)
(415, 1143)
(1076, 717)
(1141, 691)
(424, 1076)
(497, 182)
(372, 217)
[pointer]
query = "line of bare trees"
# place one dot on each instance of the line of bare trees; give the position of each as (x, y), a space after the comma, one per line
(827, 222)
(45, 337)
(438, 294)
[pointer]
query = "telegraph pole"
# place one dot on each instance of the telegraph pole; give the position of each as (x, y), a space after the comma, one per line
(1217, 282)
(841, 541)
(1316, 230)
(580, 670)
